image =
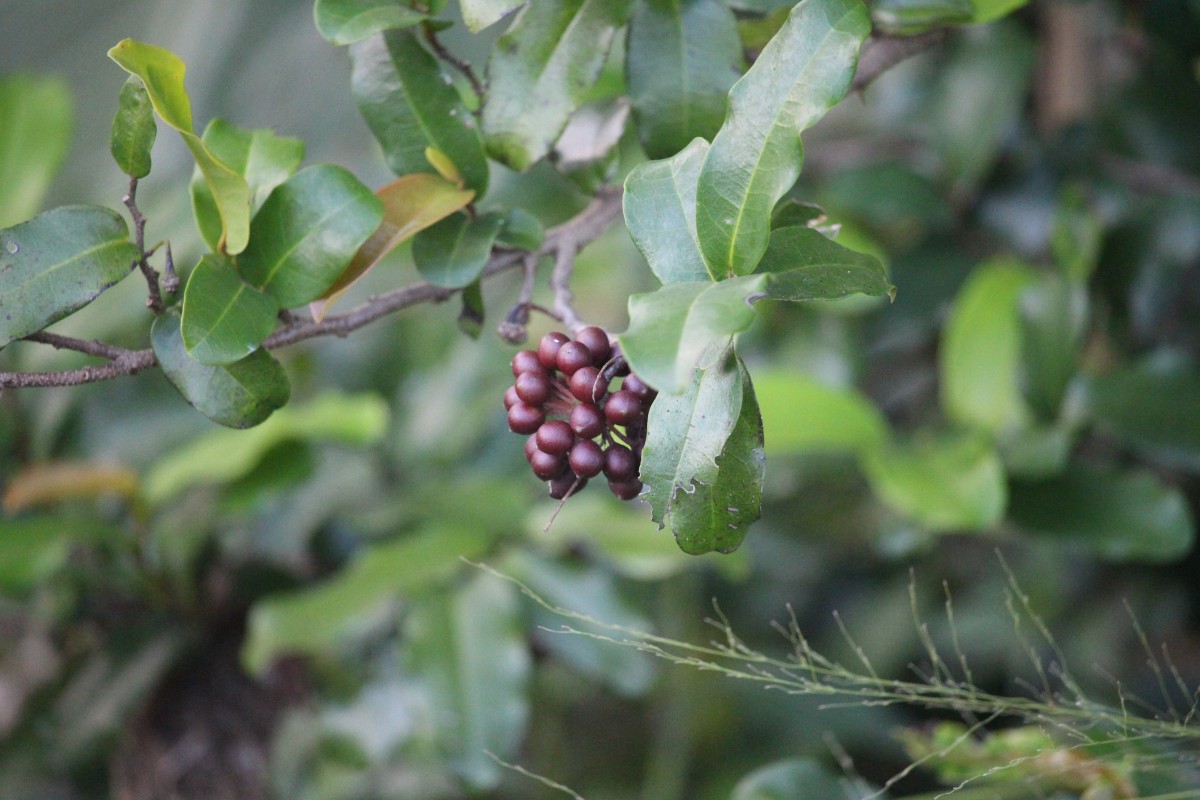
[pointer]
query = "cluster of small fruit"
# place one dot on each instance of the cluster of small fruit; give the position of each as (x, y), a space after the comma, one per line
(577, 428)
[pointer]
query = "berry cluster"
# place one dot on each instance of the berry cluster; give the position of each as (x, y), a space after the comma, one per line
(578, 429)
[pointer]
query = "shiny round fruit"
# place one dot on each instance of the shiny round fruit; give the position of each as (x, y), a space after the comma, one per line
(587, 420)
(510, 397)
(587, 386)
(547, 466)
(637, 386)
(573, 356)
(555, 437)
(531, 447)
(620, 464)
(548, 348)
(625, 490)
(533, 387)
(622, 408)
(586, 459)
(596, 340)
(524, 418)
(526, 361)
(563, 483)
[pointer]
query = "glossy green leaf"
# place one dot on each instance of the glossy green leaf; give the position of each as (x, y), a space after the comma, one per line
(35, 132)
(319, 619)
(980, 354)
(162, 73)
(454, 252)
(539, 72)
(910, 17)
(670, 329)
(801, 263)
(1153, 406)
(58, 262)
(133, 129)
(220, 457)
(681, 58)
(480, 14)
(792, 779)
(991, 10)
(306, 233)
(521, 230)
(1118, 515)
(803, 415)
(1053, 320)
(660, 213)
(707, 518)
(237, 395)
(410, 105)
(467, 647)
(225, 319)
(756, 156)
(348, 21)
(472, 314)
(263, 159)
(944, 483)
(410, 204)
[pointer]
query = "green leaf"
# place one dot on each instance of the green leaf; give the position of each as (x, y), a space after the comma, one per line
(681, 59)
(803, 415)
(35, 132)
(225, 319)
(991, 10)
(910, 17)
(237, 395)
(703, 459)
(133, 129)
(980, 354)
(714, 517)
(670, 329)
(306, 233)
(803, 264)
(1053, 314)
(32, 549)
(220, 457)
(660, 213)
(756, 156)
(410, 105)
(467, 648)
(540, 71)
(792, 779)
(348, 21)
(521, 230)
(480, 14)
(453, 253)
(58, 262)
(262, 158)
(471, 316)
(1153, 406)
(1118, 515)
(410, 204)
(320, 619)
(944, 483)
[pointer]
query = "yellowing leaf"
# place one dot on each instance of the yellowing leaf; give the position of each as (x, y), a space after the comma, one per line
(42, 484)
(444, 165)
(410, 204)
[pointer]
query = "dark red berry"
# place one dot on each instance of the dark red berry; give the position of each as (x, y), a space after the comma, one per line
(625, 490)
(637, 386)
(587, 386)
(530, 448)
(547, 466)
(586, 459)
(562, 484)
(573, 356)
(596, 340)
(510, 397)
(622, 408)
(620, 464)
(533, 387)
(548, 348)
(587, 420)
(526, 361)
(524, 418)
(555, 437)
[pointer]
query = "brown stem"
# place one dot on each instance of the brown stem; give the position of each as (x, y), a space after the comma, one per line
(91, 348)
(462, 66)
(154, 302)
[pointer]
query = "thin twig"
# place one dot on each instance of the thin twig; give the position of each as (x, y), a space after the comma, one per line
(580, 229)
(883, 52)
(462, 66)
(91, 348)
(560, 284)
(513, 328)
(154, 301)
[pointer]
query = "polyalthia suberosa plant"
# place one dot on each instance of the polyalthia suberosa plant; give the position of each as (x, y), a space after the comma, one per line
(712, 216)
